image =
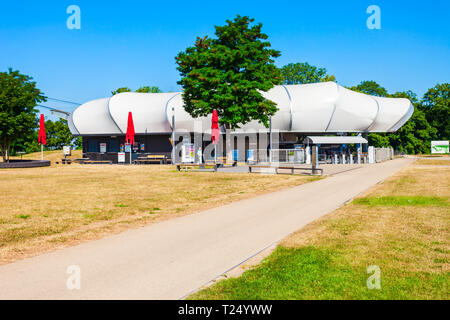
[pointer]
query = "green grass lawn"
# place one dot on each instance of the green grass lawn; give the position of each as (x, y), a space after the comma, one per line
(401, 226)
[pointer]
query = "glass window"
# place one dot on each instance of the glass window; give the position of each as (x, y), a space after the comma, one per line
(93, 145)
(114, 145)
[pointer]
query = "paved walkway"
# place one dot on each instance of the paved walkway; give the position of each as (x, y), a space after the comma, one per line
(168, 260)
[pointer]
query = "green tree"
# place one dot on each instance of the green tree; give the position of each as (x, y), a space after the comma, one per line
(436, 106)
(18, 97)
(229, 72)
(303, 72)
(58, 134)
(370, 87)
(120, 90)
(26, 144)
(415, 135)
(148, 89)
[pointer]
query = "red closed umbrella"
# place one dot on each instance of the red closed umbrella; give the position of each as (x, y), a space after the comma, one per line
(129, 138)
(42, 140)
(215, 133)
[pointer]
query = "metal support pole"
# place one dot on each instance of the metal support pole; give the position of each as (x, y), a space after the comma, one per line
(315, 160)
(173, 135)
(270, 140)
(42, 151)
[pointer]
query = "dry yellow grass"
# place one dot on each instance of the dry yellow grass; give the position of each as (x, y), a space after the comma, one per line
(46, 208)
(435, 162)
(53, 156)
(408, 238)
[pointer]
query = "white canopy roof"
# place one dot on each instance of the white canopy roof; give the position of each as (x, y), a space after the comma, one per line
(318, 107)
(334, 140)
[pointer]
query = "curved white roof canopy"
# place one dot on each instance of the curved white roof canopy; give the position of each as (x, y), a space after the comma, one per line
(317, 107)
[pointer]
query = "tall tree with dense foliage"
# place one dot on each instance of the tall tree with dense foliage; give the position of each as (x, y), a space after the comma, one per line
(436, 105)
(18, 97)
(229, 72)
(303, 72)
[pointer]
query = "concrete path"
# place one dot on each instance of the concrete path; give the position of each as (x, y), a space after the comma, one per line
(168, 260)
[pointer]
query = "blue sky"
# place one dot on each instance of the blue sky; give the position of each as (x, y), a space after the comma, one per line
(133, 43)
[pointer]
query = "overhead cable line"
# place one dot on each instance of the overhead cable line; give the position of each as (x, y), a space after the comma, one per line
(65, 101)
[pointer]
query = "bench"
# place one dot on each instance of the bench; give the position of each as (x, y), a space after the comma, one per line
(187, 166)
(290, 168)
(80, 160)
(97, 162)
(161, 159)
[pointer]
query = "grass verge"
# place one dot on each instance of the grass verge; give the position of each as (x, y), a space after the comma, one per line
(400, 226)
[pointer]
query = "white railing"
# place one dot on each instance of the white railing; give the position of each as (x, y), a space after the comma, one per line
(278, 155)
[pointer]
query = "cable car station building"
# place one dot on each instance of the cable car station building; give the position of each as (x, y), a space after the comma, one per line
(309, 110)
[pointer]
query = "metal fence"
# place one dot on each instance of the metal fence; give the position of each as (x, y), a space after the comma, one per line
(278, 155)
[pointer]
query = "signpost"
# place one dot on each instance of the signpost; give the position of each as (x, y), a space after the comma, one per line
(439, 147)
(66, 151)
(102, 147)
(187, 153)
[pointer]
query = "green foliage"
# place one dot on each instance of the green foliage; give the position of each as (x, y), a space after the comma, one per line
(145, 89)
(414, 136)
(148, 89)
(18, 97)
(120, 90)
(228, 73)
(370, 87)
(300, 73)
(58, 134)
(436, 105)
